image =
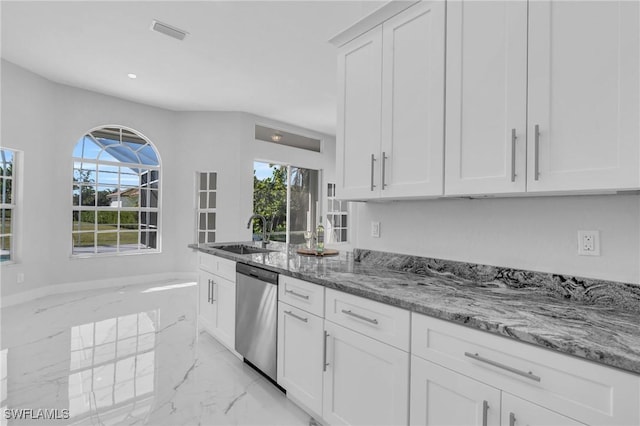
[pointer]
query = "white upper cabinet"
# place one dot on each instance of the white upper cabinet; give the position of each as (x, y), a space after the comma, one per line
(413, 102)
(542, 96)
(486, 97)
(359, 85)
(584, 87)
(391, 107)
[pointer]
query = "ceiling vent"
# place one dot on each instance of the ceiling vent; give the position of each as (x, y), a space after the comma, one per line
(169, 30)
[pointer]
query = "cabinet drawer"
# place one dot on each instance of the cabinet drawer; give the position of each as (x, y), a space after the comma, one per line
(301, 294)
(385, 323)
(226, 269)
(216, 265)
(579, 389)
(208, 262)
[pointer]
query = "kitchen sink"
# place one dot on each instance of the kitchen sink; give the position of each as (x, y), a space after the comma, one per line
(242, 249)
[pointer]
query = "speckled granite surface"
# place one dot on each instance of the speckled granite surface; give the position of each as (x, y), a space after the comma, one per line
(590, 319)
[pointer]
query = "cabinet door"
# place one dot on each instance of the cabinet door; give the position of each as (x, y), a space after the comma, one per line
(584, 89)
(359, 103)
(442, 397)
(518, 412)
(225, 301)
(206, 301)
(486, 97)
(300, 355)
(412, 157)
(366, 382)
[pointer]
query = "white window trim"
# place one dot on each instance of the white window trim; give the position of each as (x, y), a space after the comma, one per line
(343, 245)
(206, 210)
(16, 207)
(157, 210)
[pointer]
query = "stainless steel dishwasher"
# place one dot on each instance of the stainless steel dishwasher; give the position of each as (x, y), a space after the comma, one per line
(256, 317)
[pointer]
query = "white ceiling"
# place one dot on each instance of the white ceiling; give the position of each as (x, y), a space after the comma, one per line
(269, 58)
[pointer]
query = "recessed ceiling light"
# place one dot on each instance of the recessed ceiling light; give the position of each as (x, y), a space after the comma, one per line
(131, 75)
(276, 137)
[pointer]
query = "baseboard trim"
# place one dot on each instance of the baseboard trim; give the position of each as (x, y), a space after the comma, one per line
(37, 293)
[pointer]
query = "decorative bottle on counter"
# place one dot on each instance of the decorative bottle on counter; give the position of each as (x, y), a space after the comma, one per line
(320, 237)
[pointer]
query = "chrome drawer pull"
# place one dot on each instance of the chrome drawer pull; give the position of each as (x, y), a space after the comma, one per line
(373, 159)
(293, 293)
(324, 356)
(513, 154)
(485, 408)
(353, 314)
(384, 162)
(296, 316)
(536, 165)
(512, 419)
(528, 375)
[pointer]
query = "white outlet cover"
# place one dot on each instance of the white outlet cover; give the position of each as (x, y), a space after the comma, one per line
(589, 243)
(375, 229)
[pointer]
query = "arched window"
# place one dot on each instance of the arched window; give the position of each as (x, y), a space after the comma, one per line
(116, 193)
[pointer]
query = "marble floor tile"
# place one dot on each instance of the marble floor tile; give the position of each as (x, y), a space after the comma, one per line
(127, 356)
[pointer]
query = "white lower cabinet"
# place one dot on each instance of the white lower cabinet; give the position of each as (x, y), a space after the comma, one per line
(456, 373)
(440, 396)
(366, 381)
(225, 299)
(217, 298)
(346, 360)
(206, 308)
(519, 412)
(300, 355)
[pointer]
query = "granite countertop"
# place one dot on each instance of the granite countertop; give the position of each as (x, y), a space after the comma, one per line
(591, 319)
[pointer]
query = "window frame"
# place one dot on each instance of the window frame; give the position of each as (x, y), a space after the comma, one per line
(207, 230)
(140, 210)
(346, 212)
(13, 206)
(319, 201)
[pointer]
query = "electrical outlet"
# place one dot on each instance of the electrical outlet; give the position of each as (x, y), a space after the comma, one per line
(375, 229)
(589, 243)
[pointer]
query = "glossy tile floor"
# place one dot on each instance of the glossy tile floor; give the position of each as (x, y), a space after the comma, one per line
(128, 356)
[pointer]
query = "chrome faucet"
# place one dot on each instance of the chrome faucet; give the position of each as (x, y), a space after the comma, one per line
(265, 236)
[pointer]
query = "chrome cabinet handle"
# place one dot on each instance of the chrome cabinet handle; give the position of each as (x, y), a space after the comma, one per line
(209, 291)
(536, 173)
(296, 316)
(293, 293)
(513, 155)
(485, 408)
(373, 160)
(353, 314)
(512, 419)
(324, 356)
(528, 375)
(384, 162)
(212, 290)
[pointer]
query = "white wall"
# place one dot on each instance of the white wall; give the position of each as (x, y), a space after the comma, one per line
(44, 120)
(537, 233)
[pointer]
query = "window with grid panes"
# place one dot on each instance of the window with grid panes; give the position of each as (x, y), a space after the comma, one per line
(116, 193)
(7, 204)
(207, 187)
(337, 213)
